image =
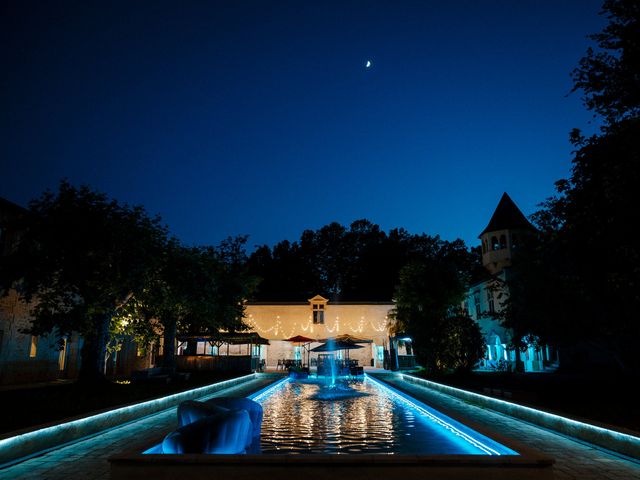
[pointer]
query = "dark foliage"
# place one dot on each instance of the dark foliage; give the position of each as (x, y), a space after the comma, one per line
(361, 263)
(81, 258)
(578, 280)
(427, 300)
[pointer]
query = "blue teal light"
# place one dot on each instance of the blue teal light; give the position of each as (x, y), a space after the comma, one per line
(269, 390)
(42, 440)
(609, 439)
(485, 444)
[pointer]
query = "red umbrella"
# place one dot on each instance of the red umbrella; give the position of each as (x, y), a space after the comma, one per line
(300, 339)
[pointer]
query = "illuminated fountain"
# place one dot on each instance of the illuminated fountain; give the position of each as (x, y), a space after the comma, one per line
(334, 386)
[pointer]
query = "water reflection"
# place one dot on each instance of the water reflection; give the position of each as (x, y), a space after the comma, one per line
(371, 422)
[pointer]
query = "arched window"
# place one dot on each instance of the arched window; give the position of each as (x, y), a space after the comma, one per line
(494, 243)
(503, 241)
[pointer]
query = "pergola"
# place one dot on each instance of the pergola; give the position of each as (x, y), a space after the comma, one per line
(196, 361)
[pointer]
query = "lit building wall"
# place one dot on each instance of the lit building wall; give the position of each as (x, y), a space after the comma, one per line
(279, 321)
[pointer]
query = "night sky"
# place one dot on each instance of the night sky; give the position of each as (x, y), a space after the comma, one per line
(261, 118)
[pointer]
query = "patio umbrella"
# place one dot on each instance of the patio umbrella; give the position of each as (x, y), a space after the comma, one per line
(334, 346)
(304, 341)
(347, 338)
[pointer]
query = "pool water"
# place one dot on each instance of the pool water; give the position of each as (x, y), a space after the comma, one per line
(367, 418)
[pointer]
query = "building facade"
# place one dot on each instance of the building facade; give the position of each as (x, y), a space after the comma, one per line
(320, 319)
(500, 240)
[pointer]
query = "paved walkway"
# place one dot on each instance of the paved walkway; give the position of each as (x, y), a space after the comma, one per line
(87, 459)
(574, 460)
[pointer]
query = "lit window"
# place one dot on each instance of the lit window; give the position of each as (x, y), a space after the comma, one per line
(318, 313)
(494, 243)
(62, 356)
(34, 346)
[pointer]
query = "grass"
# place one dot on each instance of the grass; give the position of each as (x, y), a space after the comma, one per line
(29, 407)
(601, 397)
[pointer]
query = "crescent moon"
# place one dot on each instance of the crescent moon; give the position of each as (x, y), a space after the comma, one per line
(368, 65)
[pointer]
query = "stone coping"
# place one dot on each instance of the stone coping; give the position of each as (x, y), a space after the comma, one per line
(600, 435)
(16, 446)
(135, 465)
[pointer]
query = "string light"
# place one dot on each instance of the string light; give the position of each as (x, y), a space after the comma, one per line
(275, 327)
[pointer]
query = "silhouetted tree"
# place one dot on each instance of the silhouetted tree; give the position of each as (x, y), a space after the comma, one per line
(196, 290)
(427, 309)
(358, 263)
(82, 258)
(581, 279)
(608, 75)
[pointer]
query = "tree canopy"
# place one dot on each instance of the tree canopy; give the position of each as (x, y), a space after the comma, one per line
(82, 257)
(360, 263)
(428, 299)
(100, 268)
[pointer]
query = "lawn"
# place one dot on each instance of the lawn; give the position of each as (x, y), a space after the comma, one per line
(607, 398)
(29, 407)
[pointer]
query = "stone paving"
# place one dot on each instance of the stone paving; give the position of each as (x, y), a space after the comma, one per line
(87, 459)
(574, 460)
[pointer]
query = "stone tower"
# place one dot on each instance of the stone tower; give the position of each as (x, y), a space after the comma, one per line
(503, 233)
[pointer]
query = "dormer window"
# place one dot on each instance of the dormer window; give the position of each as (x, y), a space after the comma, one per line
(318, 305)
(318, 313)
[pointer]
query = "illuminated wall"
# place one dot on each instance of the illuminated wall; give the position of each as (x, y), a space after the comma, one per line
(279, 321)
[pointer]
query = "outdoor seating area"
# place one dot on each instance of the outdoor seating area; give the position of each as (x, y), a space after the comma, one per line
(286, 364)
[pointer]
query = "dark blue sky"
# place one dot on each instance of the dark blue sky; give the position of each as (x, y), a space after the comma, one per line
(260, 118)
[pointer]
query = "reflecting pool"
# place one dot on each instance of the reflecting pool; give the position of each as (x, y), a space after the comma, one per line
(363, 417)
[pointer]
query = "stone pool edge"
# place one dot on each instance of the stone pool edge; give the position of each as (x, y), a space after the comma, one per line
(602, 436)
(528, 464)
(23, 444)
(134, 465)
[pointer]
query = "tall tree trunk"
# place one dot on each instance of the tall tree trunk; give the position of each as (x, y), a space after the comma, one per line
(169, 350)
(94, 351)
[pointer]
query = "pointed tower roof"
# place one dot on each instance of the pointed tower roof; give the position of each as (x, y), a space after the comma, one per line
(507, 216)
